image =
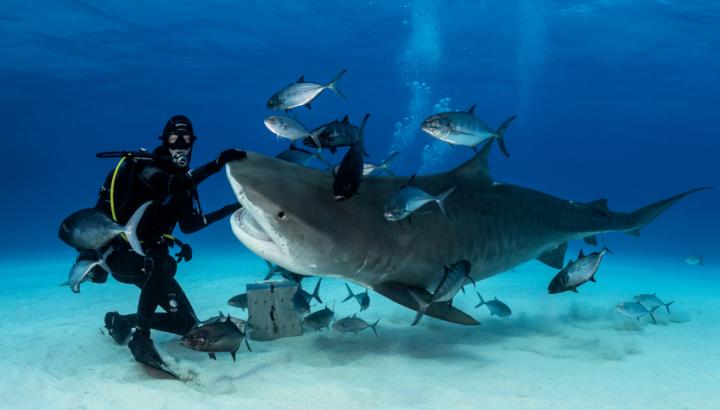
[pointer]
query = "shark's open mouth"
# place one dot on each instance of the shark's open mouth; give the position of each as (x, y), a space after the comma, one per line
(250, 227)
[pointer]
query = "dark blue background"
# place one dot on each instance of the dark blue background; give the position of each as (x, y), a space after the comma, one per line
(615, 99)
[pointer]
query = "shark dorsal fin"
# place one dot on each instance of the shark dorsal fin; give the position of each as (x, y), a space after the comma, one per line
(477, 167)
(472, 109)
(345, 119)
(301, 79)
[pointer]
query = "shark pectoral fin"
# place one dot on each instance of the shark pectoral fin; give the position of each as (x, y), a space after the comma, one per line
(400, 293)
(555, 258)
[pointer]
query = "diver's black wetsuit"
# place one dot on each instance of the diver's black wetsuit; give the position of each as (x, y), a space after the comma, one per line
(175, 202)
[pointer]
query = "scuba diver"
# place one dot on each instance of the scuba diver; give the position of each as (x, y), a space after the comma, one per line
(163, 177)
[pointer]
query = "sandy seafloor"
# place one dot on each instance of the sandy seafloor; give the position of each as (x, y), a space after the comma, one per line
(556, 351)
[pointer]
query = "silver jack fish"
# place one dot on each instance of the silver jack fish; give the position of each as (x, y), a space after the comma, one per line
(339, 134)
(495, 306)
(302, 93)
(218, 336)
(318, 320)
(80, 271)
(449, 285)
(635, 310)
(289, 128)
(363, 299)
(353, 324)
(409, 199)
(651, 301)
(239, 301)
(464, 128)
(577, 273)
(90, 229)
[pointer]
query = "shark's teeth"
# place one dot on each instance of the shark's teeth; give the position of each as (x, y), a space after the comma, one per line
(251, 227)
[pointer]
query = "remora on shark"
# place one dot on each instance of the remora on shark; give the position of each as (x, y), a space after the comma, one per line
(289, 217)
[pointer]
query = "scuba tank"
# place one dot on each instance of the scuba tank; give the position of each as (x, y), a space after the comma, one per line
(119, 184)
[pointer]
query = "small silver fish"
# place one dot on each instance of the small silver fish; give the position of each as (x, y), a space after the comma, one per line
(651, 301)
(635, 310)
(239, 301)
(218, 336)
(577, 272)
(453, 280)
(353, 324)
(80, 271)
(289, 128)
(695, 260)
(91, 229)
(337, 134)
(318, 320)
(362, 298)
(302, 93)
(495, 306)
(464, 128)
(409, 199)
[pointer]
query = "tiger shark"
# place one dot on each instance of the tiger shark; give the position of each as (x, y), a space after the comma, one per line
(289, 217)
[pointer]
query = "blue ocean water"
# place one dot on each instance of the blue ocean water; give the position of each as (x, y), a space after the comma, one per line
(614, 99)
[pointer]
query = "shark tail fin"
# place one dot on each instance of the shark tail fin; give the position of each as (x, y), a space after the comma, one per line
(643, 216)
(500, 137)
(422, 307)
(316, 292)
(332, 85)
(441, 199)
(350, 293)
(131, 228)
(667, 306)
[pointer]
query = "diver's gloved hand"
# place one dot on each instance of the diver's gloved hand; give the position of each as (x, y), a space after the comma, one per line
(230, 155)
(185, 253)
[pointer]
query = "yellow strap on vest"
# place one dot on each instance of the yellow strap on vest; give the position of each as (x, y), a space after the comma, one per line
(112, 189)
(112, 199)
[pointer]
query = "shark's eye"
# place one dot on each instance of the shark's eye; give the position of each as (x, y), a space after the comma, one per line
(281, 215)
